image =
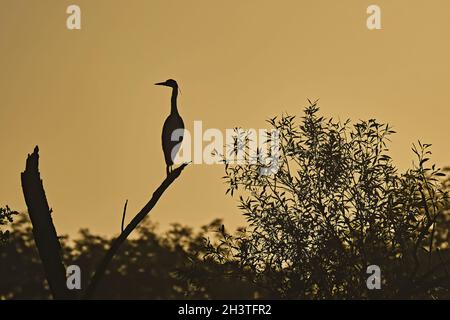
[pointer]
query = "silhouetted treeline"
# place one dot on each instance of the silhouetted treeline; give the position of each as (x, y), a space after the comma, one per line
(167, 266)
(148, 266)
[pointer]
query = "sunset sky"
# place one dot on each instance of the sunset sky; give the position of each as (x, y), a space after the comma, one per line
(87, 98)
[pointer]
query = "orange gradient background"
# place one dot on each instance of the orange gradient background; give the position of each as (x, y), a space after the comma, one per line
(87, 97)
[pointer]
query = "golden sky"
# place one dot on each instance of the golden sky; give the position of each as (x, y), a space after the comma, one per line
(87, 98)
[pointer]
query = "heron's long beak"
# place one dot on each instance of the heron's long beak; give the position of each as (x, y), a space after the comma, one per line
(160, 84)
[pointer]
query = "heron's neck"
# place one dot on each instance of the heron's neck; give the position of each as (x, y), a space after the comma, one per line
(173, 102)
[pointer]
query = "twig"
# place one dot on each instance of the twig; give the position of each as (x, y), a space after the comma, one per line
(123, 215)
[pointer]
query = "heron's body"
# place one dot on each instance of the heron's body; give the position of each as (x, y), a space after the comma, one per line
(173, 129)
(171, 146)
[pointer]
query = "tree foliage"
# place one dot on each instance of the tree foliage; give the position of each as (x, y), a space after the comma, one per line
(6, 217)
(337, 205)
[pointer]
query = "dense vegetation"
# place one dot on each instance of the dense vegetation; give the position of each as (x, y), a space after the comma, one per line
(336, 205)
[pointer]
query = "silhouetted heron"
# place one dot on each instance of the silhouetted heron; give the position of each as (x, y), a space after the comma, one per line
(172, 133)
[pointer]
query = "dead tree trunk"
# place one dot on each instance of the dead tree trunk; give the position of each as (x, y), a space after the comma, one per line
(44, 231)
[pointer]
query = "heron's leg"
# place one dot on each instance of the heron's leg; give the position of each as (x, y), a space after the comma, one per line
(167, 170)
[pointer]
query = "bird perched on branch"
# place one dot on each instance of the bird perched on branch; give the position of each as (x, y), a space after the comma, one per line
(173, 129)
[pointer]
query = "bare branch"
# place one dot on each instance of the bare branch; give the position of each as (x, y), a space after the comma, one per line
(103, 265)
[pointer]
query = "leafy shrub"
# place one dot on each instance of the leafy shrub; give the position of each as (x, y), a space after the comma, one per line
(337, 205)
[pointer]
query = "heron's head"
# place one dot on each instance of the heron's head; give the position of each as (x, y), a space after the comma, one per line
(168, 83)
